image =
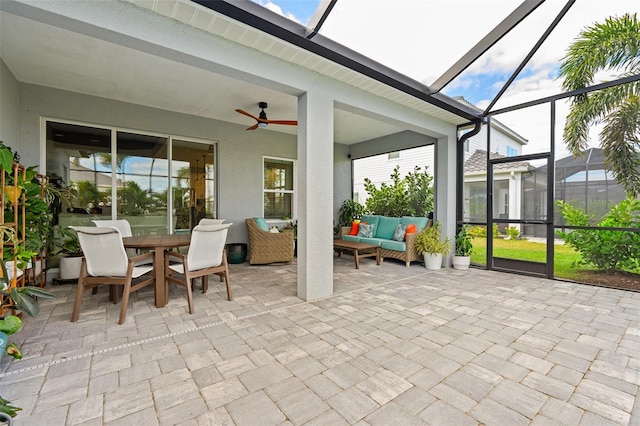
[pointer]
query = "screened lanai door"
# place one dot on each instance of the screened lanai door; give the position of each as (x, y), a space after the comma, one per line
(521, 209)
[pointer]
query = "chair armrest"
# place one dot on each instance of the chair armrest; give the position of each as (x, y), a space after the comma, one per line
(175, 253)
(344, 231)
(134, 259)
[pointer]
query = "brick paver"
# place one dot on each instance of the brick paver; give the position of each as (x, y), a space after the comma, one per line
(394, 345)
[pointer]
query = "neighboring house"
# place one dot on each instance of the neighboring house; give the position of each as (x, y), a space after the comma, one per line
(507, 188)
(380, 167)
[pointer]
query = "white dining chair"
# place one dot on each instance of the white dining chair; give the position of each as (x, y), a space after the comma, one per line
(206, 221)
(106, 262)
(206, 256)
(124, 227)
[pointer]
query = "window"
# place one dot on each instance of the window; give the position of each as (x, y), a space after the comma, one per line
(393, 155)
(511, 152)
(278, 188)
(136, 181)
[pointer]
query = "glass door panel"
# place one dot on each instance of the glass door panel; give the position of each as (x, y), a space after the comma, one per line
(78, 157)
(142, 182)
(193, 183)
(520, 211)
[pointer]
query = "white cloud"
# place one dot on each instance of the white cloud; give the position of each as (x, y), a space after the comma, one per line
(422, 39)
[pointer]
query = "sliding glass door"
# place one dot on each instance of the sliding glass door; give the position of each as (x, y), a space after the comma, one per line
(127, 175)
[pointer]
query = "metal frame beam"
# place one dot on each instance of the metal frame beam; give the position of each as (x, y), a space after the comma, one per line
(262, 19)
(502, 29)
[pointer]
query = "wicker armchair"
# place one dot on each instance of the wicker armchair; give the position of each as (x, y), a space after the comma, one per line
(266, 247)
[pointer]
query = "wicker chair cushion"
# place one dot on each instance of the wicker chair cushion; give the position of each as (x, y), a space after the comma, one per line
(262, 224)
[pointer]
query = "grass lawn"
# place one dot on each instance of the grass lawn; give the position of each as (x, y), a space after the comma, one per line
(564, 255)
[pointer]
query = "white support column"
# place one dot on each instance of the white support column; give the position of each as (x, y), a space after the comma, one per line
(315, 195)
(446, 189)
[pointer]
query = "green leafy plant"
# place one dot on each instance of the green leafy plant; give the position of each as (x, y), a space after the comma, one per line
(429, 241)
(7, 408)
(512, 233)
(606, 250)
(350, 210)
(464, 246)
(408, 196)
(65, 242)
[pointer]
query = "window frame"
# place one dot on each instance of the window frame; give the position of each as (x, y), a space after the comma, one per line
(265, 159)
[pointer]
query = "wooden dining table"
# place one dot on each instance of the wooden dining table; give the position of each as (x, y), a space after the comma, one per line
(160, 244)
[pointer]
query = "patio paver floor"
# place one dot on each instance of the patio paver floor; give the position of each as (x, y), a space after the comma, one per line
(393, 345)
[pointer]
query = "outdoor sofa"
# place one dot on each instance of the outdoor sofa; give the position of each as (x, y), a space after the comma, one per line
(384, 229)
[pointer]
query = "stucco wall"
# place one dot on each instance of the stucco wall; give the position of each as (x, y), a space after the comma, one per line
(8, 107)
(240, 152)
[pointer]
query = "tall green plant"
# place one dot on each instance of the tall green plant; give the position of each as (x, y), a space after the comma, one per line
(607, 250)
(350, 210)
(409, 196)
(464, 246)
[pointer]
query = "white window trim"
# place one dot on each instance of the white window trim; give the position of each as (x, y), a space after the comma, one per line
(294, 208)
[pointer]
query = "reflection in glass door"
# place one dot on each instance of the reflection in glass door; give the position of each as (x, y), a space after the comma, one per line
(192, 183)
(133, 181)
(142, 182)
(520, 217)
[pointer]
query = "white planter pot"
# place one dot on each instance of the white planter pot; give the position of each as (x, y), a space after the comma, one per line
(9, 265)
(461, 262)
(70, 268)
(432, 261)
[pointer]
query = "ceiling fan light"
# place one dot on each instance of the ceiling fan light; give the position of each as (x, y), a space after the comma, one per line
(263, 125)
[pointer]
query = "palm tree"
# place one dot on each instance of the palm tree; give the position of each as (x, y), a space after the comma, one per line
(610, 46)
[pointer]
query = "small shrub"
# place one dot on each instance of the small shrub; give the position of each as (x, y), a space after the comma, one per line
(408, 196)
(606, 250)
(512, 232)
(478, 231)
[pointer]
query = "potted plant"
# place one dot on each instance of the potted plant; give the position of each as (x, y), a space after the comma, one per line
(65, 243)
(429, 243)
(350, 211)
(464, 248)
(23, 299)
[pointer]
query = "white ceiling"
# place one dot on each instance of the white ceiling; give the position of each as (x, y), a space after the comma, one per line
(42, 54)
(52, 56)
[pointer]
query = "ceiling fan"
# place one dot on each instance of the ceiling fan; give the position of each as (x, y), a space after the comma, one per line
(262, 120)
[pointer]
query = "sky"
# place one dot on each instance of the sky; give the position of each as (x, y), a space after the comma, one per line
(423, 38)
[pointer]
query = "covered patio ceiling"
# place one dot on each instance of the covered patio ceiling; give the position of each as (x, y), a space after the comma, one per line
(46, 49)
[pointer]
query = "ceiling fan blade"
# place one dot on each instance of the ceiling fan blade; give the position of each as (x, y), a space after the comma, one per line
(255, 126)
(287, 122)
(247, 114)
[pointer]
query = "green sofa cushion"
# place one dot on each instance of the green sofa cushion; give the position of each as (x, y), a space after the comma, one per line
(370, 219)
(420, 222)
(386, 227)
(374, 241)
(352, 238)
(394, 245)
